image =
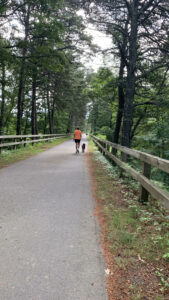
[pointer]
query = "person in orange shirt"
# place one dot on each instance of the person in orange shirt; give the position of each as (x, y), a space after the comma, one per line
(77, 138)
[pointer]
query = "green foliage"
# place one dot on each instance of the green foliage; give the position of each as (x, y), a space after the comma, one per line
(43, 50)
(108, 132)
(164, 281)
(101, 92)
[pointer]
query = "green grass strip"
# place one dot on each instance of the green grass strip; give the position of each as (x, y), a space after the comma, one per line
(8, 157)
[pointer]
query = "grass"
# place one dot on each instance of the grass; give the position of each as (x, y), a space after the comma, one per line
(136, 234)
(8, 157)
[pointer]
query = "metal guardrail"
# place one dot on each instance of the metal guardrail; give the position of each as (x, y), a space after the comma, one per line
(148, 160)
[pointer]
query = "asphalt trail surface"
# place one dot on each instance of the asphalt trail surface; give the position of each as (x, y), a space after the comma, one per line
(49, 238)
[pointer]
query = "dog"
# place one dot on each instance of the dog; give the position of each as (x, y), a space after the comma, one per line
(83, 147)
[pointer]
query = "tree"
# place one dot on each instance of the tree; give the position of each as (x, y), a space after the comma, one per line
(44, 56)
(146, 23)
(102, 92)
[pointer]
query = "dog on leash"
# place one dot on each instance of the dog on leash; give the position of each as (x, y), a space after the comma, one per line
(83, 147)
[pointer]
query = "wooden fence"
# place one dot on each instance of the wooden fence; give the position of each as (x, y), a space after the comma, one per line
(11, 141)
(148, 160)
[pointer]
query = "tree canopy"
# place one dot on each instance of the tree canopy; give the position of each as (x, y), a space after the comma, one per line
(45, 88)
(42, 78)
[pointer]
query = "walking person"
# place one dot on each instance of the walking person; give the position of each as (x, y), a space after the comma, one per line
(77, 138)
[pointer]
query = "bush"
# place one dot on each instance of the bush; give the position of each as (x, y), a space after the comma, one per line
(104, 129)
(108, 132)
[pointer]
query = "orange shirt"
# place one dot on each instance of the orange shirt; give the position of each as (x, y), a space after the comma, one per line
(77, 134)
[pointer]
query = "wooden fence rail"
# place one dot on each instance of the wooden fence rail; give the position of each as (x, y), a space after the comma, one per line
(27, 139)
(148, 160)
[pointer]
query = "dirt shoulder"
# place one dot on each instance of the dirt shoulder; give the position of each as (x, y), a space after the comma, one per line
(134, 237)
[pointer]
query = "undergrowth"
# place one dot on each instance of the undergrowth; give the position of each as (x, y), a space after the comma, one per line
(137, 234)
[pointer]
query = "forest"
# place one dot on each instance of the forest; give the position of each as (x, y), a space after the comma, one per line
(42, 78)
(45, 87)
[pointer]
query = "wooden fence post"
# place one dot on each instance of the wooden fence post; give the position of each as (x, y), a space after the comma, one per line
(147, 173)
(101, 151)
(108, 149)
(124, 159)
(104, 146)
(14, 147)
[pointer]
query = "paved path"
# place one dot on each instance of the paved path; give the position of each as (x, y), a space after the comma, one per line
(49, 238)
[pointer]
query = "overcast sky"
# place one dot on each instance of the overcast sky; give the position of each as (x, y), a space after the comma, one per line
(104, 42)
(100, 39)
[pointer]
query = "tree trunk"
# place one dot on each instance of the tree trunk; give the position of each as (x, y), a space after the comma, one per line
(26, 124)
(137, 124)
(130, 81)
(49, 111)
(121, 99)
(52, 116)
(95, 116)
(70, 123)
(121, 104)
(34, 113)
(45, 120)
(21, 75)
(20, 92)
(3, 100)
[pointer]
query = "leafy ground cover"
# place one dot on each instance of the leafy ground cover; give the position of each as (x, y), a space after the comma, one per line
(135, 237)
(8, 157)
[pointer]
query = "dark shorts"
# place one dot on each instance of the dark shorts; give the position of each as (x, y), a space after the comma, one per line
(77, 141)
